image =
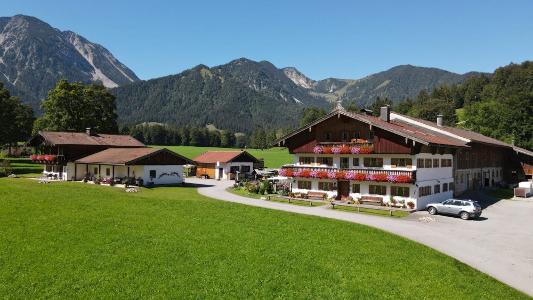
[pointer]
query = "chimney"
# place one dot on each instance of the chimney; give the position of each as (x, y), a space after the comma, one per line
(439, 120)
(90, 131)
(384, 113)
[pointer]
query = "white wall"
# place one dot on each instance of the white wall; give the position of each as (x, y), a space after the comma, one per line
(227, 167)
(162, 169)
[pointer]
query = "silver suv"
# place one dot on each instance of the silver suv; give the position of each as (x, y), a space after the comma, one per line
(465, 209)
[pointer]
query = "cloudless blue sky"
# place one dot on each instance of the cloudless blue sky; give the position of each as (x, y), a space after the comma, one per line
(347, 39)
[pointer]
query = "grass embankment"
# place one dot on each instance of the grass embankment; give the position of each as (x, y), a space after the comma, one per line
(24, 167)
(273, 197)
(274, 157)
(70, 240)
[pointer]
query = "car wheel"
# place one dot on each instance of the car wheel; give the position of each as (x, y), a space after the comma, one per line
(464, 215)
(432, 210)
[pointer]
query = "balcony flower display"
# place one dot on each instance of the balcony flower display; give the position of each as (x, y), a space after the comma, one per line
(403, 179)
(336, 150)
(341, 175)
(355, 150)
(360, 177)
(49, 158)
(381, 177)
(332, 174)
(306, 173)
(33, 157)
(286, 172)
(327, 150)
(366, 149)
(318, 150)
(322, 174)
(313, 174)
(40, 157)
(350, 175)
(345, 149)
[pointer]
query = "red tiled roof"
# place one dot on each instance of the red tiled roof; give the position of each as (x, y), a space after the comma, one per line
(126, 156)
(82, 138)
(211, 157)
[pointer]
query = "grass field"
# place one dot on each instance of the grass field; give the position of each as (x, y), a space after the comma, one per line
(273, 198)
(25, 168)
(274, 157)
(73, 240)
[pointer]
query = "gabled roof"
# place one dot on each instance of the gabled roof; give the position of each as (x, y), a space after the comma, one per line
(132, 156)
(405, 130)
(212, 157)
(55, 138)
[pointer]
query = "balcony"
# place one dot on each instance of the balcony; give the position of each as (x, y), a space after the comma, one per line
(49, 159)
(356, 146)
(376, 175)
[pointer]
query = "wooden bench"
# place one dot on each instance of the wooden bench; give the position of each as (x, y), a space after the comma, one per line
(316, 195)
(375, 207)
(372, 200)
(289, 199)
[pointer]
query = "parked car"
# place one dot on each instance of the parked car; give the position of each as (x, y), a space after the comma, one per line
(465, 209)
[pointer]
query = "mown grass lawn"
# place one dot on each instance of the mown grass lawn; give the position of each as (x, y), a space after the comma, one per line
(73, 240)
(274, 157)
(25, 167)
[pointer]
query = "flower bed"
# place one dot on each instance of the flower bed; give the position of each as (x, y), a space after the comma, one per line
(343, 149)
(347, 175)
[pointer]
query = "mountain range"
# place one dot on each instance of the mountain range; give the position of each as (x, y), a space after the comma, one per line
(34, 56)
(239, 95)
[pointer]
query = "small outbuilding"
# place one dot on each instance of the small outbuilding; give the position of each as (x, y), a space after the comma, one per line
(224, 164)
(152, 165)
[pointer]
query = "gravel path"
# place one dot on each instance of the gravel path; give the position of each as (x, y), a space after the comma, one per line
(499, 244)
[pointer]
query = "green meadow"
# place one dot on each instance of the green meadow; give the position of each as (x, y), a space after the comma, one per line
(74, 240)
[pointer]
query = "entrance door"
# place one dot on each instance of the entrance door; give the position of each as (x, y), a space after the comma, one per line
(220, 172)
(343, 189)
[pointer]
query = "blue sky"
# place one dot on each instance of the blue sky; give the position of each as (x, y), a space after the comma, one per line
(346, 39)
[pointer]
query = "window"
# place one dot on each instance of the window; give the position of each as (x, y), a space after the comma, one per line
(401, 162)
(245, 169)
(356, 188)
(461, 178)
(377, 189)
(444, 187)
(328, 161)
(427, 163)
(152, 174)
(234, 169)
(345, 162)
(424, 191)
(445, 163)
(402, 191)
(107, 171)
(327, 186)
(345, 135)
(436, 189)
(375, 162)
(305, 185)
(327, 136)
(95, 171)
(355, 161)
(306, 160)
(420, 163)
(435, 163)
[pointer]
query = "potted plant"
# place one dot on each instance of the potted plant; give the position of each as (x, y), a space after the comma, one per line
(411, 204)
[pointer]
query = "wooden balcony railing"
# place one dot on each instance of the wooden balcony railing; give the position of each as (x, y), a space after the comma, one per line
(358, 174)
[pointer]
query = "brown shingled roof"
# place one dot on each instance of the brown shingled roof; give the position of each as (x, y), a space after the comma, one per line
(211, 157)
(82, 138)
(128, 156)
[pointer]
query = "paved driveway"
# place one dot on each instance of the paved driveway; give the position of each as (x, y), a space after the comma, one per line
(499, 244)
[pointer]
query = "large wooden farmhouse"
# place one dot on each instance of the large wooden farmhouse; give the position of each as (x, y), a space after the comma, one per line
(395, 158)
(79, 155)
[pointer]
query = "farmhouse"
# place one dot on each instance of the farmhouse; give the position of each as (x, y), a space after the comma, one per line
(224, 164)
(395, 158)
(83, 155)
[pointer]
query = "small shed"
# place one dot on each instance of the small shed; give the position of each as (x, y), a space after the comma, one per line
(157, 166)
(224, 164)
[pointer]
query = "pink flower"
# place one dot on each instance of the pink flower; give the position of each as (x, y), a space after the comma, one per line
(350, 175)
(370, 177)
(355, 150)
(318, 149)
(391, 178)
(282, 172)
(336, 150)
(314, 174)
(332, 174)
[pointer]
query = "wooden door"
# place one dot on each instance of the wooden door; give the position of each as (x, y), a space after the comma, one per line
(343, 189)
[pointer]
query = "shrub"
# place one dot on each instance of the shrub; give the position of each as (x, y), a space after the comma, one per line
(411, 204)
